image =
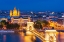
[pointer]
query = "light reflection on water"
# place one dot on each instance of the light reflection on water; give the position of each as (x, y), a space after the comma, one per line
(61, 36)
(19, 37)
(10, 37)
(4, 38)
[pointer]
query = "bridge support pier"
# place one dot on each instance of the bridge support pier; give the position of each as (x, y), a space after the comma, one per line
(50, 35)
(29, 34)
(29, 27)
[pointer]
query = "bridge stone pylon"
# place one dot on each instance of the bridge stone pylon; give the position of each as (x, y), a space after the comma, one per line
(30, 26)
(50, 35)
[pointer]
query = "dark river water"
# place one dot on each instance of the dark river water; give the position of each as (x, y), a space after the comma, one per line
(19, 37)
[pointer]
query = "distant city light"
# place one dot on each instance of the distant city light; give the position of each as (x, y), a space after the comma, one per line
(52, 12)
(40, 12)
(44, 16)
(31, 12)
(63, 16)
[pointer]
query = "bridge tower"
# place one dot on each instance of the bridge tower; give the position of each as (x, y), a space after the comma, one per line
(30, 35)
(29, 27)
(50, 35)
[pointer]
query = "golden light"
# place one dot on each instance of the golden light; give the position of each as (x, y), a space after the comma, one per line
(29, 33)
(14, 12)
(50, 35)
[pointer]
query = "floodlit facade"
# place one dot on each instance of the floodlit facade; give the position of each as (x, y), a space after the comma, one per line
(14, 12)
(15, 17)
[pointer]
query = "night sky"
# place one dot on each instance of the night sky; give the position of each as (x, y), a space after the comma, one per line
(33, 5)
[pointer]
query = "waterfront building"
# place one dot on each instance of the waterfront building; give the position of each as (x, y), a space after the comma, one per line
(15, 12)
(17, 18)
(16, 15)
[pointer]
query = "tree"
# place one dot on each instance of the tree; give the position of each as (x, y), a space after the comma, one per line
(45, 23)
(37, 24)
(16, 26)
(9, 26)
(13, 26)
(40, 24)
(3, 22)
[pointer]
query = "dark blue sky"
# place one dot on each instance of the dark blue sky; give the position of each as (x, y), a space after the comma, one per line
(34, 5)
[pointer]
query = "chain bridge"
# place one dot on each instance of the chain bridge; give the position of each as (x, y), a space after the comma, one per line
(49, 36)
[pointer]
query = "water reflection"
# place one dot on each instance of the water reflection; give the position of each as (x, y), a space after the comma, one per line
(4, 38)
(10, 37)
(61, 36)
(19, 37)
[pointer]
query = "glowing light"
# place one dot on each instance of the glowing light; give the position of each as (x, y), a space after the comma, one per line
(52, 12)
(50, 35)
(63, 16)
(29, 33)
(14, 12)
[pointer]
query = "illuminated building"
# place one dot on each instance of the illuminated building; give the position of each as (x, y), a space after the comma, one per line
(14, 12)
(16, 17)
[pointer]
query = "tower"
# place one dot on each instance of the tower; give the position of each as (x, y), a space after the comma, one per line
(11, 13)
(50, 35)
(18, 13)
(29, 27)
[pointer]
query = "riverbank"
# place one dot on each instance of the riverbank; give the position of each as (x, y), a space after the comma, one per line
(17, 30)
(10, 30)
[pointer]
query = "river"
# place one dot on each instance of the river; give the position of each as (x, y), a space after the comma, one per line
(19, 37)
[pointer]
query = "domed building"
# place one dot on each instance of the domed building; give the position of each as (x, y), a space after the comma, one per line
(15, 13)
(16, 17)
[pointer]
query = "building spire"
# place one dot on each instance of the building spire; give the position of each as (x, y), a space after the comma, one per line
(18, 12)
(14, 8)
